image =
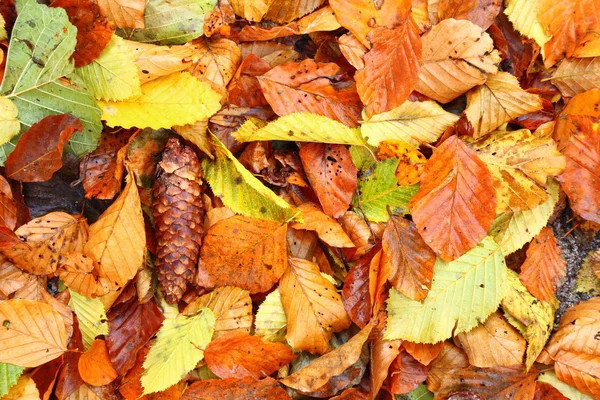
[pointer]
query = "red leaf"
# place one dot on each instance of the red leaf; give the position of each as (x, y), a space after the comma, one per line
(545, 391)
(69, 379)
(93, 30)
(244, 88)
(45, 375)
(406, 374)
(238, 355)
(332, 175)
(130, 326)
(232, 388)
(38, 153)
(355, 293)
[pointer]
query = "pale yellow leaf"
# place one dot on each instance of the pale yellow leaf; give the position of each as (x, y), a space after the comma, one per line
(321, 20)
(91, 316)
(154, 61)
(197, 133)
(524, 16)
(124, 13)
(252, 10)
(271, 322)
(9, 124)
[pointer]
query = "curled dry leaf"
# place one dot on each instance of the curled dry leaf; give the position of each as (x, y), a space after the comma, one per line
(309, 86)
(544, 267)
(456, 203)
(93, 30)
(317, 373)
(572, 119)
(313, 308)
(352, 49)
(32, 334)
(383, 354)
(215, 61)
(245, 252)
(78, 272)
(124, 13)
(283, 11)
(244, 89)
(450, 358)
(391, 67)
(38, 153)
(411, 260)
(328, 229)
(245, 388)
(238, 355)
(45, 239)
(256, 33)
(480, 12)
(457, 56)
(332, 175)
(12, 278)
(359, 232)
(95, 367)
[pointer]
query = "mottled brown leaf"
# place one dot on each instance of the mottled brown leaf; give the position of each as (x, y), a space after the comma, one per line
(233, 388)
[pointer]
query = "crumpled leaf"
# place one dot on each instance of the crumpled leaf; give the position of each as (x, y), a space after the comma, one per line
(285, 11)
(215, 61)
(480, 12)
(213, 389)
(328, 229)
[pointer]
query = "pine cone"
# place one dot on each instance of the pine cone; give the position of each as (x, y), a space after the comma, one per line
(178, 215)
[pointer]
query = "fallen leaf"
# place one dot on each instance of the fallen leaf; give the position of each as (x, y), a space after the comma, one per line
(39, 152)
(565, 391)
(271, 322)
(12, 278)
(308, 86)
(282, 11)
(9, 123)
(356, 291)
(332, 175)
(406, 374)
(383, 354)
(91, 317)
(328, 229)
(519, 12)
(455, 205)
(215, 61)
(391, 67)
(25, 389)
(411, 161)
(313, 308)
(154, 61)
(449, 359)
(480, 12)
(8, 206)
(359, 232)
(124, 13)
(248, 387)
(579, 370)
(577, 75)
(79, 273)
(68, 379)
(95, 367)
(547, 391)
(422, 352)
(244, 88)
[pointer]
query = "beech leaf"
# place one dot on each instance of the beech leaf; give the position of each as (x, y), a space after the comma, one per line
(94, 365)
(213, 389)
(577, 75)
(9, 123)
(270, 321)
(124, 13)
(90, 316)
(9, 375)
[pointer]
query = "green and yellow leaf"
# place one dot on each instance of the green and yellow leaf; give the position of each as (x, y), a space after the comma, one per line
(91, 317)
(271, 322)
(568, 391)
(9, 375)
(9, 124)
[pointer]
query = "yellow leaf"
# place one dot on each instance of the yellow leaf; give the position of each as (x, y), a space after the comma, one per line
(3, 35)
(32, 333)
(313, 307)
(523, 14)
(520, 164)
(176, 99)
(216, 61)
(271, 321)
(9, 124)
(113, 75)
(154, 61)
(497, 101)
(91, 317)
(412, 122)
(285, 11)
(117, 240)
(457, 55)
(197, 133)
(25, 389)
(252, 10)
(321, 20)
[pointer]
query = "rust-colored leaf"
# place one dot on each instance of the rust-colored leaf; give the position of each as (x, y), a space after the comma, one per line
(410, 259)
(8, 206)
(579, 370)
(93, 30)
(479, 12)
(38, 153)
(80, 273)
(355, 293)
(544, 267)
(238, 355)
(450, 358)
(423, 352)
(68, 379)
(95, 367)
(233, 388)
(391, 67)
(545, 391)
(456, 203)
(309, 86)
(406, 373)
(244, 88)
(332, 175)
(383, 354)
(328, 229)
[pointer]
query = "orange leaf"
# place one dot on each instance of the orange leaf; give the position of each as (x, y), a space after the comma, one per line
(245, 252)
(244, 88)
(456, 203)
(11, 277)
(352, 394)
(406, 373)
(308, 86)
(256, 33)
(124, 13)
(571, 25)
(237, 355)
(313, 307)
(391, 67)
(449, 359)
(95, 367)
(545, 391)
(423, 352)
(570, 121)
(410, 160)
(579, 370)
(479, 12)
(497, 383)
(78, 272)
(233, 388)
(328, 229)
(544, 267)
(93, 30)
(359, 232)
(8, 206)
(410, 259)
(38, 153)
(332, 175)
(383, 354)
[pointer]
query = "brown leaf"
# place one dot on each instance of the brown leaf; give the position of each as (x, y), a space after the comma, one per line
(352, 394)
(130, 326)
(479, 12)
(308, 86)
(577, 75)
(545, 391)
(68, 379)
(244, 89)
(516, 50)
(93, 30)
(102, 170)
(313, 307)
(328, 229)
(95, 367)
(233, 388)
(406, 374)
(544, 267)
(579, 370)
(456, 203)
(383, 354)
(317, 373)
(251, 33)
(391, 67)
(38, 153)
(8, 206)
(355, 292)
(424, 353)
(45, 376)
(245, 252)
(495, 343)
(359, 232)
(449, 359)
(238, 355)
(332, 175)
(410, 259)
(124, 13)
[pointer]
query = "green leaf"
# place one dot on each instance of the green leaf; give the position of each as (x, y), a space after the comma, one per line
(240, 190)
(113, 75)
(3, 36)
(535, 317)
(420, 393)
(175, 99)
(512, 230)
(301, 127)
(271, 321)
(412, 122)
(362, 157)
(172, 21)
(463, 293)
(379, 190)
(179, 345)
(568, 391)
(9, 375)
(9, 124)
(91, 317)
